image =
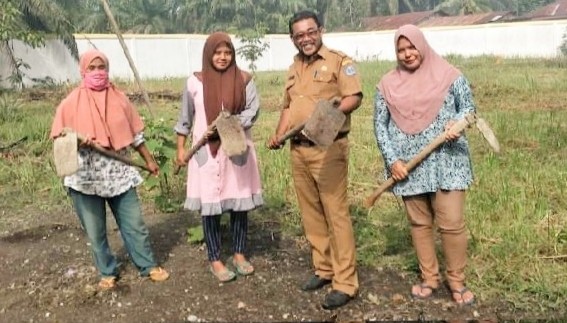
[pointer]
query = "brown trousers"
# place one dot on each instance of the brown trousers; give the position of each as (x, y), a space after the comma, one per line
(447, 209)
(321, 178)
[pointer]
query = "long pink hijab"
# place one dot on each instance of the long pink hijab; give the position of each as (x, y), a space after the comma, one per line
(107, 116)
(414, 98)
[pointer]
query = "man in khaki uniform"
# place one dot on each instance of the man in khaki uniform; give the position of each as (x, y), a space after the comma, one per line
(320, 174)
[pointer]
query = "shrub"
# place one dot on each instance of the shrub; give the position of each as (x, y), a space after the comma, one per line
(563, 47)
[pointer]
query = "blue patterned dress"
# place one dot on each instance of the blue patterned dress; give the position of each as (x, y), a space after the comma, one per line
(449, 166)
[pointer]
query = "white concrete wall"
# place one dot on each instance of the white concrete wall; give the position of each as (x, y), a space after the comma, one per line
(161, 56)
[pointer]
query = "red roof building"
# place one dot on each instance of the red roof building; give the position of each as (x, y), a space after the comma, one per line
(464, 20)
(556, 10)
(395, 22)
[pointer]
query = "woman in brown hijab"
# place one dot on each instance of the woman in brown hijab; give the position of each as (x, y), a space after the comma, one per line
(216, 183)
(416, 102)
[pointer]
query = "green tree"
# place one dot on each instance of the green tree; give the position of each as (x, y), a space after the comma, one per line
(147, 16)
(563, 46)
(48, 17)
(87, 16)
(280, 12)
(13, 27)
(340, 15)
(206, 16)
(464, 7)
(30, 21)
(253, 45)
(525, 6)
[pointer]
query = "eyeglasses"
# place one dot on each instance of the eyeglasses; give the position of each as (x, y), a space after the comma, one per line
(311, 33)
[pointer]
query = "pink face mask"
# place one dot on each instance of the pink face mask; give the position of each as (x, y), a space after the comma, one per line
(96, 80)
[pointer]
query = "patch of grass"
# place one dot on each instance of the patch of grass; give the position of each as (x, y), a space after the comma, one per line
(516, 209)
(10, 109)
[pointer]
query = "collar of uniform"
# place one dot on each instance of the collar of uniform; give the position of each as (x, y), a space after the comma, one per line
(323, 53)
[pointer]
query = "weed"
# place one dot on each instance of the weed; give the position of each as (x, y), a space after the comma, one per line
(10, 109)
(160, 141)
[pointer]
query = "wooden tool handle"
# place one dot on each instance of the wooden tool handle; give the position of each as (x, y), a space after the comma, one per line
(426, 151)
(292, 132)
(114, 155)
(335, 101)
(202, 141)
(14, 144)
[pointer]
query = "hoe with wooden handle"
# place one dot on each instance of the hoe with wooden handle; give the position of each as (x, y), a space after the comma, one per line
(66, 154)
(114, 155)
(459, 126)
(231, 134)
(322, 126)
(291, 133)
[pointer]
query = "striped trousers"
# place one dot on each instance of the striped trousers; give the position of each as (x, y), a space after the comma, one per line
(212, 232)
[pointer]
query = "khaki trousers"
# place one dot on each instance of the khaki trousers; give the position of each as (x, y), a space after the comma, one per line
(321, 178)
(447, 209)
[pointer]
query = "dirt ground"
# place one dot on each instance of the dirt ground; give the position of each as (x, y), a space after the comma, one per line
(47, 275)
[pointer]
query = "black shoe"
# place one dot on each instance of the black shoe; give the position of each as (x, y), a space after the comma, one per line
(314, 283)
(335, 299)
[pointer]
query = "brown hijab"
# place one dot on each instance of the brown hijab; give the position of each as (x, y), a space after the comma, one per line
(221, 89)
(414, 98)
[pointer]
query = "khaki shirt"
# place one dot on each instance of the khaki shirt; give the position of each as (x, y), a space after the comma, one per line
(330, 74)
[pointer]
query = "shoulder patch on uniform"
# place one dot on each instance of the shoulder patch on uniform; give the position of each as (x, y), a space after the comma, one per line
(349, 69)
(346, 61)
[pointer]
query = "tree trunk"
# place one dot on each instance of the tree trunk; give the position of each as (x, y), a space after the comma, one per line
(393, 6)
(116, 30)
(404, 7)
(322, 6)
(373, 8)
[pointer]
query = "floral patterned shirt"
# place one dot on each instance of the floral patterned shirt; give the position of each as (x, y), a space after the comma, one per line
(104, 176)
(449, 166)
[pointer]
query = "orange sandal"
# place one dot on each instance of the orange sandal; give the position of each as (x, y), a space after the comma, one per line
(158, 274)
(107, 283)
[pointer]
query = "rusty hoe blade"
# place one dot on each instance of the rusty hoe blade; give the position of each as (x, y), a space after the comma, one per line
(232, 136)
(324, 123)
(488, 134)
(65, 155)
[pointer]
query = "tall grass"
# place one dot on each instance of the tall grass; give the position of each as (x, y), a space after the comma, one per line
(516, 210)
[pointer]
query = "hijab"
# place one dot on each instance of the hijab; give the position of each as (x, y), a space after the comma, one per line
(221, 89)
(107, 116)
(414, 98)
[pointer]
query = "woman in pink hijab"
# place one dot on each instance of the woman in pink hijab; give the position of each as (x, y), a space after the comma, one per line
(104, 115)
(417, 101)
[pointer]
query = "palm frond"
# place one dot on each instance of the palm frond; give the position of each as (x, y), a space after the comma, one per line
(47, 16)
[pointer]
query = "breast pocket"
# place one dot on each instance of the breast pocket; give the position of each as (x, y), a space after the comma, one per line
(289, 87)
(325, 85)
